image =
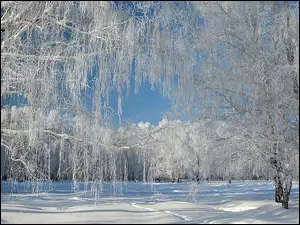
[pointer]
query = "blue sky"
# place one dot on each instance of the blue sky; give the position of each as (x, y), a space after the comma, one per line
(147, 105)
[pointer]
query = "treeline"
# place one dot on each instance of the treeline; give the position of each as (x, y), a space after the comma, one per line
(77, 149)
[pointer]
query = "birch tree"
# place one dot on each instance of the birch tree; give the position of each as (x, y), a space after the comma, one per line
(251, 70)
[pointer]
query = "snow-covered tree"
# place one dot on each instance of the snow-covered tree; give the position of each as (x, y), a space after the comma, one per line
(251, 73)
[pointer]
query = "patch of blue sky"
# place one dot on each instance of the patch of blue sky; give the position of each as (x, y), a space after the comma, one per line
(18, 100)
(147, 105)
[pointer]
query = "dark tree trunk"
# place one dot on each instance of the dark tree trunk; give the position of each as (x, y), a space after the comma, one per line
(278, 189)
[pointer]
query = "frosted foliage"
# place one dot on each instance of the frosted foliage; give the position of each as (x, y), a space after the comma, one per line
(58, 42)
(252, 71)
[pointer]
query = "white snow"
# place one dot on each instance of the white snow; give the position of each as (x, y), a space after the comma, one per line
(216, 202)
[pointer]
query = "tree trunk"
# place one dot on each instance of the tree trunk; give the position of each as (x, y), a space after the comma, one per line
(287, 186)
(285, 200)
(278, 189)
(290, 50)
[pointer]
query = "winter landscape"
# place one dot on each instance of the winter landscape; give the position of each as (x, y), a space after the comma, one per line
(149, 112)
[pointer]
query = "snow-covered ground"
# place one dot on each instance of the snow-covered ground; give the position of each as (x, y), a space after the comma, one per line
(215, 202)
